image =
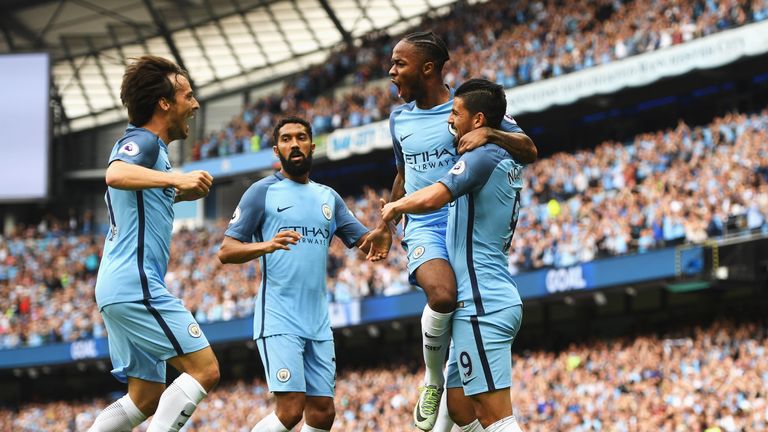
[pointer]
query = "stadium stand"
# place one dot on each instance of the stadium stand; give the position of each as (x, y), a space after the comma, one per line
(540, 41)
(661, 189)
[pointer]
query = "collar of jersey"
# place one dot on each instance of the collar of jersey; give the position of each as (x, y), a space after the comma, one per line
(141, 129)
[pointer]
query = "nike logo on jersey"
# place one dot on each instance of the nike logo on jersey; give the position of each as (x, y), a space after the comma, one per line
(429, 336)
(404, 137)
(280, 210)
(183, 413)
(465, 382)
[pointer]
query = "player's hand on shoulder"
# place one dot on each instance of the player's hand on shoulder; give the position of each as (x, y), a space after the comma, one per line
(281, 241)
(473, 139)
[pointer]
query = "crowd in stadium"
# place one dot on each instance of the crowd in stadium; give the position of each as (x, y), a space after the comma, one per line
(663, 188)
(511, 43)
(694, 379)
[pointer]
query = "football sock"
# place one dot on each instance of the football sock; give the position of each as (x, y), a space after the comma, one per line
(177, 404)
(270, 423)
(475, 426)
(508, 424)
(435, 327)
(122, 415)
(443, 422)
(307, 428)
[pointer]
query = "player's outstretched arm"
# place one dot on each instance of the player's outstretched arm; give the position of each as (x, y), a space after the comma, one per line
(377, 242)
(127, 176)
(519, 145)
(233, 251)
(430, 198)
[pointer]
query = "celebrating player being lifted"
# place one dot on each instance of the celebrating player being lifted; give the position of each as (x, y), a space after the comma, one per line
(288, 221)
(485, 187)
(424, 151)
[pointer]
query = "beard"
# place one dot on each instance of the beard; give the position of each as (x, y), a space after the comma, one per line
(296, 169)
(178, 131)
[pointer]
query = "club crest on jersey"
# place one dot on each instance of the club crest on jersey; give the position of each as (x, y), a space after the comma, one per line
(130, 148)
(327, 211)
(235, 216)
(283, 375)
(458, 168)
(418, 252)
(194, 330)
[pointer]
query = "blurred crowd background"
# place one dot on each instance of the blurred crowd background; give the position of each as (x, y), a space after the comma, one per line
(695, 379)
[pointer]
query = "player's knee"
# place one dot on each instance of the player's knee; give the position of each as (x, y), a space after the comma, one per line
(290, 410)
(459, 411)
(212, 376)
(327, 414)
(148, 404)
(486, 416)
(442, 298)
(289, 416)
(321, 415)
(209, 376)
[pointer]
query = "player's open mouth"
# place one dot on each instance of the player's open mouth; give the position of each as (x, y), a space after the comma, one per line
(399, 92)
(452, 129)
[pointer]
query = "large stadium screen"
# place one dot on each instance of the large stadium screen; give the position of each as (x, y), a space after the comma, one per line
(24, 126)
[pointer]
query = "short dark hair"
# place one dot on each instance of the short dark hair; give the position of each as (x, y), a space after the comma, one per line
(431, 47)
(145, 82)
(288, 120)
(481, 95)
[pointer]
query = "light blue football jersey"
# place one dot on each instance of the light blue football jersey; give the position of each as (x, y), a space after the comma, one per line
(485, 185)
(293, 297)
(425, 147)
(137, 247)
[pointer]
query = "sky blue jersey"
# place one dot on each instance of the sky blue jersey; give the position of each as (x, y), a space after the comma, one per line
(293, 298)
(137, 247)
(425, 147)
(485, 185)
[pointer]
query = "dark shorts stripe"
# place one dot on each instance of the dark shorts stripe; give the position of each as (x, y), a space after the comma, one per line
(481, 353)
(476, 297)
(167, 330)
(140, 248)
(266, 357)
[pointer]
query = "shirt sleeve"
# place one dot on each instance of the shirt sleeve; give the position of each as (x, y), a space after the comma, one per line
(137, 150)
(472, 171)
(348, 228)
(249, 215)
(508, 124)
